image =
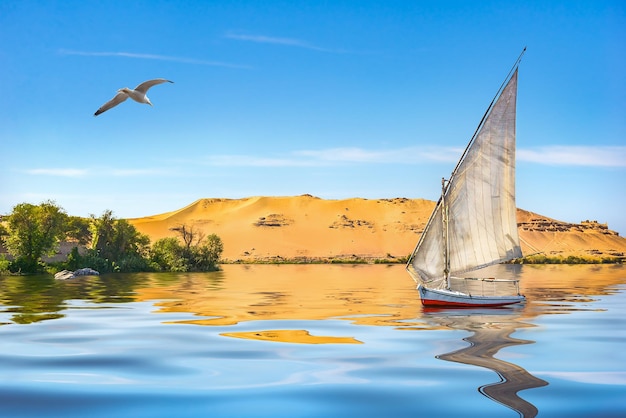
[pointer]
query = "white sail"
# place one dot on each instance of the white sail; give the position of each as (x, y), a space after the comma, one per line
(480, 200)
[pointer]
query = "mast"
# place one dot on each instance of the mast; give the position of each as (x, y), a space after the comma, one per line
(446, 236)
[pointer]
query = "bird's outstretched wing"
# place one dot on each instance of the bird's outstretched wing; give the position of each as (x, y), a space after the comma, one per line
(119, 98)
(143, 87)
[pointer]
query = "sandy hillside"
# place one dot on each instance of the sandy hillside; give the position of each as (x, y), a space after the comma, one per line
(265, 228)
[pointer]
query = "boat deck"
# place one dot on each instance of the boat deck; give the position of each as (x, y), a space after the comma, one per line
(484, 286)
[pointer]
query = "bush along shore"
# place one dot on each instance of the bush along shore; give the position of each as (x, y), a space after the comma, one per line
(355, 259)
(32, 234)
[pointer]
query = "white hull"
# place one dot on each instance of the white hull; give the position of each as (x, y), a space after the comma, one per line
(434, 297)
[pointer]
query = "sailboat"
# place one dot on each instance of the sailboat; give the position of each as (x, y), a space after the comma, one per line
(474, 223)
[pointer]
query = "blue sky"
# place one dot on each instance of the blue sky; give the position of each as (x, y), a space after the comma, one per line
(338, 99)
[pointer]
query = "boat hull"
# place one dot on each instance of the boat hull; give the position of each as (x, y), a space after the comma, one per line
(436, 297)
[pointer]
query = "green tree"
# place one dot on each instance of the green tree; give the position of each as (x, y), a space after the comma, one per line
(3, 230)
(181, 254)
(207, 253)
(77, 229)
(169, 255)
(102, 231)
(116, 245)
(74, 260)
(34, 231)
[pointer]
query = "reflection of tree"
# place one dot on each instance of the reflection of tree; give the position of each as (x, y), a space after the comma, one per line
(31, 300)
(38, 298)
(492, 331)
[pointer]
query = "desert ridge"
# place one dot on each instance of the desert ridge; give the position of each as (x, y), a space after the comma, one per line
(301, 228)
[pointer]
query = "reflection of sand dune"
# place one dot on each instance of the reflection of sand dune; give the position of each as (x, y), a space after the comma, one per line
(491, 333)
(567, 285)
(363, 294)
(367, 294)
(291, 336)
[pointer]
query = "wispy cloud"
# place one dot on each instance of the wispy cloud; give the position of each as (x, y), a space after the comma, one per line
(84, 172)
(591, 156)
(409, 155)
(58, 172)
(599, 156)
(135, 55)
(238, 160)
(136, 172)
(338, 156)
(263, 39)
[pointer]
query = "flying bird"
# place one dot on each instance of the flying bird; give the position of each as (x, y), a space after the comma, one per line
(138, 94)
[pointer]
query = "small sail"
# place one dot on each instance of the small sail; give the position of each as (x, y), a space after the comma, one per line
(480, 200)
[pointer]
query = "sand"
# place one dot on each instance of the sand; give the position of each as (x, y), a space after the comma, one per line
(307, 228)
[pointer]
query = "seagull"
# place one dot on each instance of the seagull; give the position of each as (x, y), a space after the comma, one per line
(138, 95)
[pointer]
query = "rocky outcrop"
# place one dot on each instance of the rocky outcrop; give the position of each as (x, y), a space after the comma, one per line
(273, 220)
(548, 225)
(345, 222)
(66, 274)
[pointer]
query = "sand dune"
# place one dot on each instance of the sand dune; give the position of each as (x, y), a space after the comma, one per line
(307, 227)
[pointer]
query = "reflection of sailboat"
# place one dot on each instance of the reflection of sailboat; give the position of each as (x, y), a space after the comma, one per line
(474, 223)
(491, 332)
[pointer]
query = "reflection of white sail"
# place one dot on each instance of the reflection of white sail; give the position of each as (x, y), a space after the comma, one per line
(490, 333)
(474, 223)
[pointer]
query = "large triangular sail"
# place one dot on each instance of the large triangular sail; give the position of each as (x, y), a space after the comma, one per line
(474, 223)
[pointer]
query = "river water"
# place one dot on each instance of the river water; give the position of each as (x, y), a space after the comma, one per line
(310, 341)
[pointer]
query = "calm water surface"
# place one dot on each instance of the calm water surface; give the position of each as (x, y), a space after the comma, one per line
(310, 341)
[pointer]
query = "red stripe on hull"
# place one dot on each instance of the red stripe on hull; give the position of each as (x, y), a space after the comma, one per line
(433, 302)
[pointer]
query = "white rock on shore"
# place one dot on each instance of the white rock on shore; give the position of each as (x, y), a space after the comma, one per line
(66, 274)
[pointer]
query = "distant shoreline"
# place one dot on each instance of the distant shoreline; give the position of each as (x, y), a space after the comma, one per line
(532, 260)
